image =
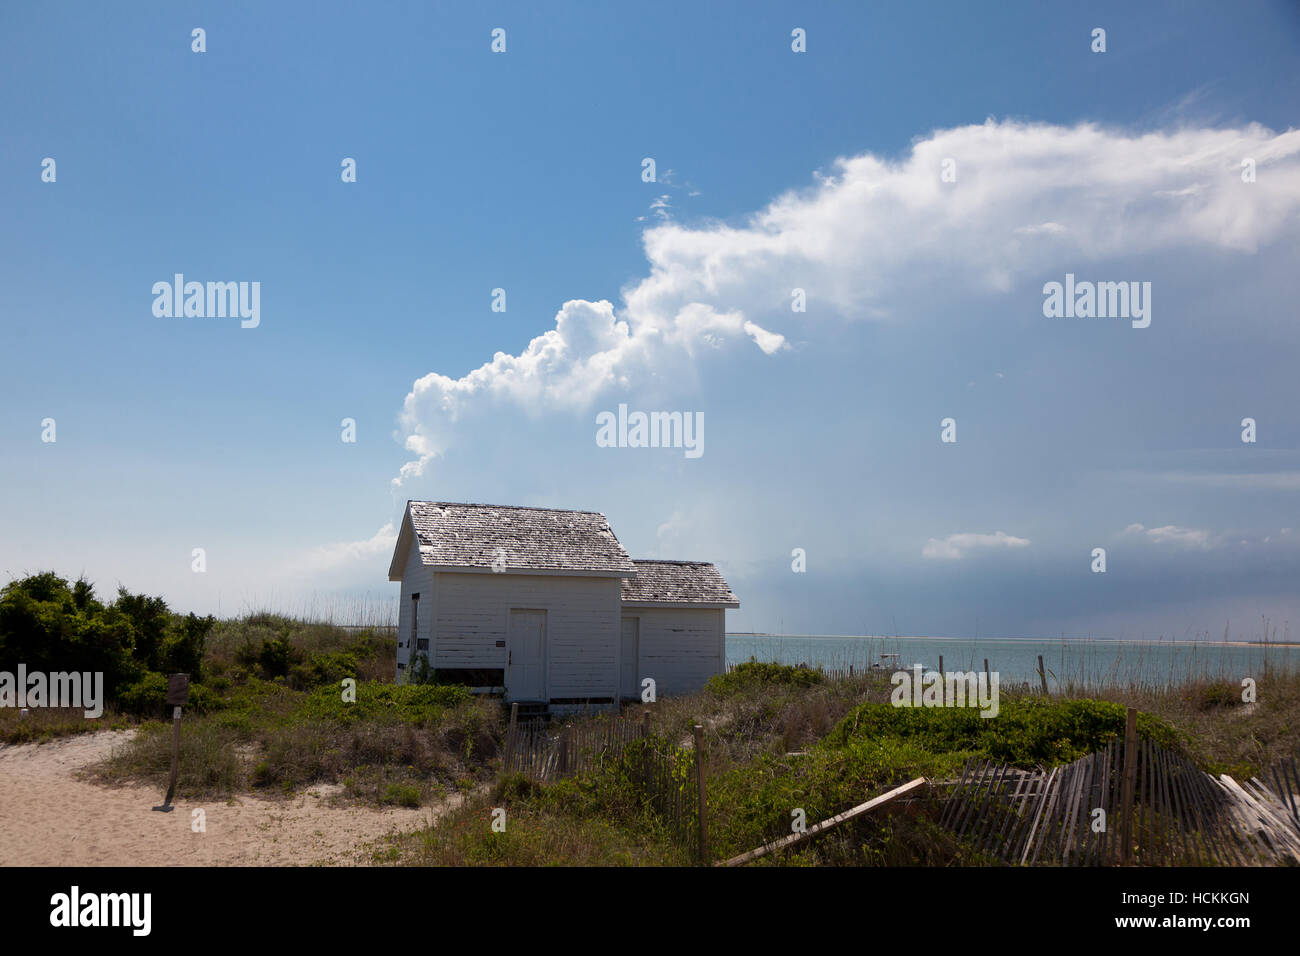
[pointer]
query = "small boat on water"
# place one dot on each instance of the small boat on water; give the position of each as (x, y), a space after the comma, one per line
(893, 662)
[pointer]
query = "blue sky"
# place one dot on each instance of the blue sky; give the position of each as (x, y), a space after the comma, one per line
(776, 170)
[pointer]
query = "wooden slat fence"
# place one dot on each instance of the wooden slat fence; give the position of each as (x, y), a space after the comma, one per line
(1180, 815)
(667, 777)
(543, 752)
(1285, 778)
(665, 774)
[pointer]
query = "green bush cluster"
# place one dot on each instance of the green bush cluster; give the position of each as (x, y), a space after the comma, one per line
(1218, 694)
(148, 696)
(405, 703)
(49, 625)
(401, 794)
(754, 673)
(1027, 731)
(878, 746)
(277, 657)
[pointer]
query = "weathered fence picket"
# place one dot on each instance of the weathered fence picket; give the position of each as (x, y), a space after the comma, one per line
(543, 752)
(1157, 809)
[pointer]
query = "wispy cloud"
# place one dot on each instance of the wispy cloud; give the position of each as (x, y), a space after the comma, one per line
(957, 546)
(342, 554)
(1172, 534)
(661, 208)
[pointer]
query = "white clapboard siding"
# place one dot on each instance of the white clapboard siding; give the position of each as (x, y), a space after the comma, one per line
(582, 626)
(416, 579)
(681, 648)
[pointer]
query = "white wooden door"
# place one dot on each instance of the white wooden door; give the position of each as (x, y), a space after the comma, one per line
(526, 656)
(630, 684)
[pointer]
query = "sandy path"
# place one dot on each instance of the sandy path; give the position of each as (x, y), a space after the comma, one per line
(50, 818)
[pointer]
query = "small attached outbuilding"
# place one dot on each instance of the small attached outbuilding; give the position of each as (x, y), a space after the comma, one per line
(546, 606)
(674, 626)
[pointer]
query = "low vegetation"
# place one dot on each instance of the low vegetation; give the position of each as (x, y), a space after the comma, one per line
(268, 715)
(266, 710)
(852, 744)
(1220, 730)
(44, 724)
(394, 745)
(51, 625)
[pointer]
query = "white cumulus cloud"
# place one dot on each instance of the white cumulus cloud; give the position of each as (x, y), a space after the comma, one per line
(870, 235)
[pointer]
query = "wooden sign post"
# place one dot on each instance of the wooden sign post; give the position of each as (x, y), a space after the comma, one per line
(178, 693)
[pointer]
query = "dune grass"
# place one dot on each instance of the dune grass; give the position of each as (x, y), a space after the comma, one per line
(392, 742)
(44, 724)
(270, 717)
(1224, 733)
(778, 743)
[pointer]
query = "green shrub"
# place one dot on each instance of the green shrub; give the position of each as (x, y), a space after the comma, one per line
(515, 787)
(1026, 731)
(401, 794)
(146, 697)
(276, 656)
(321, 669)
(149, 619)
(759, 796)
(204, 699)
(50, 625)
(183, 647)
(1219, 694)
(421, 704)
(754, 673)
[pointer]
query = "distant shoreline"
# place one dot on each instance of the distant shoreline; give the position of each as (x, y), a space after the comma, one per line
(1026, 640)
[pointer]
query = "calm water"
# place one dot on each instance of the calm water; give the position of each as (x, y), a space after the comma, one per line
(1017, 660)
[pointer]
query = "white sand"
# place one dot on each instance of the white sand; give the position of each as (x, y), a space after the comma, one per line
(48, 817)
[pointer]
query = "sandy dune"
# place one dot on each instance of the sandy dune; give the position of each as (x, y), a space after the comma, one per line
(49, 817)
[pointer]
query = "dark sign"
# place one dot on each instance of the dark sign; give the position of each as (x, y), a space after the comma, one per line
(178, 689)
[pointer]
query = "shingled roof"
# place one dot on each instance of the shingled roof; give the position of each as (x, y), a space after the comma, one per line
(456, 535)
(677, 582)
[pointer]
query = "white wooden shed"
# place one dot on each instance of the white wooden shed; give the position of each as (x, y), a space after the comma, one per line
(543, 604)
(674, 626)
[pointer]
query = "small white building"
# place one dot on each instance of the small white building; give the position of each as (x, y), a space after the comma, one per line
(546, 606)
(674, 626)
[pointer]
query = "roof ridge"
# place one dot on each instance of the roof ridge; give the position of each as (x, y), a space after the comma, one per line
(669, 561)
(482, 504)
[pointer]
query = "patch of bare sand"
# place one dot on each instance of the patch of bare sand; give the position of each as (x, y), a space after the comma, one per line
(49, 817)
